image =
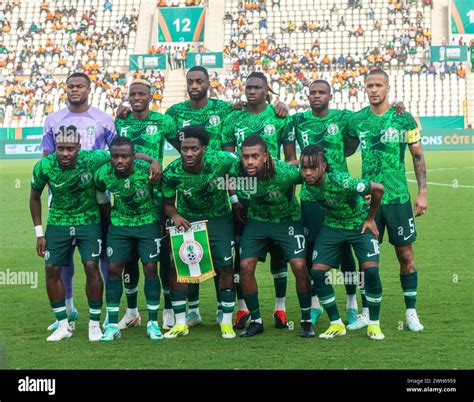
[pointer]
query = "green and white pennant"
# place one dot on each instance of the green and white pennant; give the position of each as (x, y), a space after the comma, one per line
(192, 253)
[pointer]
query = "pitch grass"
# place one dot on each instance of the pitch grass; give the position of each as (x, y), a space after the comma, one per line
(444, 256)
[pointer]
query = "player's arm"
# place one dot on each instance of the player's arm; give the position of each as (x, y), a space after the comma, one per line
(399, 106)
(376, 193)
(171, 212)
(421, 203)
(35, 209)
(47, 142)
(350, 145)
(123, 110)
(281, 109)
(155, 171)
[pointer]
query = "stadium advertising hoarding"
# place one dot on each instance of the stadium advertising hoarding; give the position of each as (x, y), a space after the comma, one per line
(147, 62)
(432, 140)
(181, 24)
(448, 53)
(208, 60)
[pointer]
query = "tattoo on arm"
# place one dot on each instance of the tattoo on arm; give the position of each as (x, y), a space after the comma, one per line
(420, 170)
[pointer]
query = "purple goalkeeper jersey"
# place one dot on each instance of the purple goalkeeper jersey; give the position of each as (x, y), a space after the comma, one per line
(97, 129)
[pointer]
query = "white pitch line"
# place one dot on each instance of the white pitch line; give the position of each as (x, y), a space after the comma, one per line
(443, 184)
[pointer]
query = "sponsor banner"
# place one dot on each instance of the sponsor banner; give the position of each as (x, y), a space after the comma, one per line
(208, 60)
(462, 17)
(181, 24)
(147, 62)
(448, 53)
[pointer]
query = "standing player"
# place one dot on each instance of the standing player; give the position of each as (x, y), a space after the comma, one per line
(273, 216)
(346, 220)
(96, 130)
(328, 129)
(259, 118)
(383, 136)
(74, 216)
(134, 220)
(194, 180)
(148, 130)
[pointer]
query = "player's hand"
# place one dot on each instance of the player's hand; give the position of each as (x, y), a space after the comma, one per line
(240, 105)
(239, 212)
(421, 204)
(181, 223)
(155, 171)
(368, 199)
(399, 107)
(281, 109)
(41, 246)
(369, 224)
(122, 111)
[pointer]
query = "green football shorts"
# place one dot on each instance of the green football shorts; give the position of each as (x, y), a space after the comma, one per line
(330, 243)
(312, 217)
(258, 236)
(59, 240)
(398, 218)
(121, 240)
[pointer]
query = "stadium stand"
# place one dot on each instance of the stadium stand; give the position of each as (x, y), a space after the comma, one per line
(299, 41)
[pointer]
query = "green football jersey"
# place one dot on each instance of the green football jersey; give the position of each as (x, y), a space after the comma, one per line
(383, 142)
(210, 117)
(328, 132)
(342, 198)
(148, 135)
(274, 130)
(133, 202)
(73, 191)
(273, 200)
(203, 195)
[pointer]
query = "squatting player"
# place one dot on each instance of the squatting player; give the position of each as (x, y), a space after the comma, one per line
(260, 118)
(383, 136)
(191, 193)
(273, 217)
(134, 220)
(346, 220)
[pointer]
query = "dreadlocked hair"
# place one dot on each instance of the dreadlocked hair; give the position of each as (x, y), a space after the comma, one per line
(315, 155)
(269, 166)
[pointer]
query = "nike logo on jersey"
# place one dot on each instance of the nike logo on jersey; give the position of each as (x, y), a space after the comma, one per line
(59, 185)
(372, 254)
(298, 251)
(187, 192)
(364, 132)
(154, 255)
(186, 123)
(95, 255)
(406, 238)
(227, 258)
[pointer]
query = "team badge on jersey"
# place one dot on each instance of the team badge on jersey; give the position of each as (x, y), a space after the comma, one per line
(390, 135)
(141, 193)
(90, 130)
(47, 254)
(86, 177)
(214, 120)
(273, 195)
(191, 252)
(333, 129)
(269, 129)
(151, 129)
(110, 251)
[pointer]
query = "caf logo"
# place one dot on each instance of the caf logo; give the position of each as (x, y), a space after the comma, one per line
(141, 193)
(110, 251)
(47, 254)
(214, 120)
(86, 177)
(152, 129)
(191, 252)
(269, 129)
(333, 129)
(90, 130)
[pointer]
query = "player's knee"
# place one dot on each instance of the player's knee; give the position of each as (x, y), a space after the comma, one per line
(150, 271)
(115, 270)
(91, 268)
(53, 272)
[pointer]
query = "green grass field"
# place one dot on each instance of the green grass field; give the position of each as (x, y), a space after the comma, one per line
(443, 252)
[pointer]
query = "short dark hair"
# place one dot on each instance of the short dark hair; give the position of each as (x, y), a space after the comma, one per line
(194, 132)
(260, 75)
(269, 167)
(378, 71)
(120, 141)
(81, 75)
(200, 69)
(315, 155)
(324, 82)
(67, 134)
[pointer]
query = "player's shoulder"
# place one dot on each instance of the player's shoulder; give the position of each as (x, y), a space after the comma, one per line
(282, 166)
(407, 117)
(342, 113)
(361, 114)
(100, 115)
(173, 165)
(177, 107)
(46, 162)
(141, 165)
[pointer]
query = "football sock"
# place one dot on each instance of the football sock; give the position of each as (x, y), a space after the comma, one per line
(113, 293)
(410, 285)
(95, 308)
(252, 303)
(152, 295)
(305, 305)
(325, 294)
(373, 287)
